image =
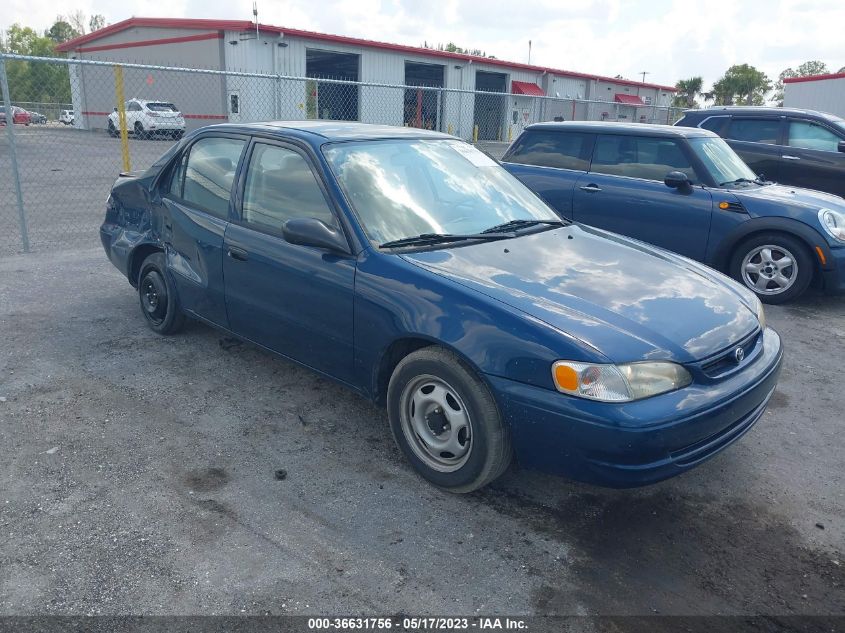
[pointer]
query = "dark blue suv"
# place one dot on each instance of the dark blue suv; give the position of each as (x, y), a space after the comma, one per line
(686, 190)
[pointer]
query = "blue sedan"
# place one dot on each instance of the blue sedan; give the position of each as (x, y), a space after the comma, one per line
(413, 269)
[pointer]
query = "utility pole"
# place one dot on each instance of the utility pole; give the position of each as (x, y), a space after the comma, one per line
(255, 15)
(644, 73)
(529, 51)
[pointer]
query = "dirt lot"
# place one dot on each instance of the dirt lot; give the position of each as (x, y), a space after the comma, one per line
(137, 476)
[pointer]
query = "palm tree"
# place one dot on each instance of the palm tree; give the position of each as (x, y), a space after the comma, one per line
(688, 90)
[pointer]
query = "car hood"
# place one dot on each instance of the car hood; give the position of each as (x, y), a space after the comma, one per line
(786, 195)
(618, 296)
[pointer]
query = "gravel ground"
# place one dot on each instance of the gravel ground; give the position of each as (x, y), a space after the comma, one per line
(137, 477)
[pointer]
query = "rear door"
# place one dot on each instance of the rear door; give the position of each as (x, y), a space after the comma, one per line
(293, 299)
(624, 192)
(197, 202)
(550, 162)
(757, 140)
(812, 158)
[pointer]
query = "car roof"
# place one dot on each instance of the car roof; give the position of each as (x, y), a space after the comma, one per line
(631, 129)
(326, 130)
(716, 110)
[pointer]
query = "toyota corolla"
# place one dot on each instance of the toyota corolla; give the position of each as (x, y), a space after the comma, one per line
(410, 267)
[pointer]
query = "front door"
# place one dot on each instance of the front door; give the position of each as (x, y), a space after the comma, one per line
(293, 299)
(812, 158)
(624, 192)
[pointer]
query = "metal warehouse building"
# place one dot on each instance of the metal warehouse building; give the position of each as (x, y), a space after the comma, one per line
(819, 92)
(338, 78)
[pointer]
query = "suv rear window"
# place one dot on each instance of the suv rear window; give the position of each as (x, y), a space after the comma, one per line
(755, 130)
(563, 150)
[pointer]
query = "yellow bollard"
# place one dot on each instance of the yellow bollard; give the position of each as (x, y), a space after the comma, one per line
(510, 133)
(121, 116)
(475, 134)
(449, 129)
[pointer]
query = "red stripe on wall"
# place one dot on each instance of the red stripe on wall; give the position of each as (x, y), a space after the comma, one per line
(166, 40)
(798, 80)
(216, 117)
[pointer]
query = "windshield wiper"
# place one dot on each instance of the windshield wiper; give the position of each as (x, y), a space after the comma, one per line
(513, 225)
(756, 181)
(443, 238)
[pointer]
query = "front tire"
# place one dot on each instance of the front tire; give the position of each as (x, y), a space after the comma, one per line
(139, 131)
(157, 293)
(446, 422)
(777, 267)
(112, 130)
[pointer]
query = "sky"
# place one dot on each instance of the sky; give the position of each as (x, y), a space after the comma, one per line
(671, 39)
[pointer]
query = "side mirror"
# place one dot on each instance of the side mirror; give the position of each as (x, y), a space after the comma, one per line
(314, 232)
(678, 180)
(841, 146)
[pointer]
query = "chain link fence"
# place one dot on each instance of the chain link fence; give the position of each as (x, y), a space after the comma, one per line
(77, 124)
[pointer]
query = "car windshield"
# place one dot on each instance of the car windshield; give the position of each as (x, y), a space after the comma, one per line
(723, 164)
(405, 188)
(161, 107)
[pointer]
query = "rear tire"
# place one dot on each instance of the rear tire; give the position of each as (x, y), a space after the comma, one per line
(112, 130)
(157, 293)
(446, 422)
(777, 267)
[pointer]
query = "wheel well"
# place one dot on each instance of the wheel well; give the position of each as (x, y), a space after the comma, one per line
(392, 356)
(138, 256)
(725, 265)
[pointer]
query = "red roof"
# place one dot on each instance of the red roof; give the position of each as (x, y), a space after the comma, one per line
(621, 97)
(798, 80)
(526, 88)
(246, 25)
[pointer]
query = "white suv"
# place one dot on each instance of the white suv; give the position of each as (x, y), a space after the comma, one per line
(66, 117)
(145, 118)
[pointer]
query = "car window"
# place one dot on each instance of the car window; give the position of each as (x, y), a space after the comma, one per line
(640, 157)
(210, 172)
(280, 186)
(133, 107)
(809, 135)
(564, 150)
(755, 130)
(161, 107)
(715, 124)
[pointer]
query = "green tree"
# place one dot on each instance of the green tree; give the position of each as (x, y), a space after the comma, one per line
(806, 69)
(61, 31)
(34, 81)
(96, 22)
(841, 70)
(688, 90)
(741, 84)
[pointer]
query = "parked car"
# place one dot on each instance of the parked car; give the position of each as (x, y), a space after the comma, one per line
(790, 146)
(19, 116)
(37, 117)
(686, 190)
(410, 267)
(66, 117)
(146, 118)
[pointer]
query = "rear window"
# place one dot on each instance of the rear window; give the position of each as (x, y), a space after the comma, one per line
(755, 130)
(715, 124)
(162, 107)
(206, 179)
(563, 150)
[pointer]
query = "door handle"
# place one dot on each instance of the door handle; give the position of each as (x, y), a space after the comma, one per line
(591, 188)
(238, 253)
(790, 157)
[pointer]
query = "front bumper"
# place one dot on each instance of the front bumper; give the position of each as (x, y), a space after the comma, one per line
(833, 274)
(642, 442)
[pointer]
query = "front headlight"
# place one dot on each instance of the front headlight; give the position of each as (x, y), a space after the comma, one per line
(618, 383)
(833, 222)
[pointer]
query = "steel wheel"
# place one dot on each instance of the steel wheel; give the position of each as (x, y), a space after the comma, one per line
(154, 297)
(436, 423)
(769, 269)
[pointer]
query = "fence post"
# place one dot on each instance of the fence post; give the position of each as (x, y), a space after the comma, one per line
(13, 154)
(121, 117)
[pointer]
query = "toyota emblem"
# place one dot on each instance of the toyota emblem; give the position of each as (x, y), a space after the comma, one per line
(739, 354)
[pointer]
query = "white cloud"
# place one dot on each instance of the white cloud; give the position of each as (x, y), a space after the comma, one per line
(669, 38)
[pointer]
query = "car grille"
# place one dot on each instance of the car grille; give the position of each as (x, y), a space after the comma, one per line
(725, 362)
